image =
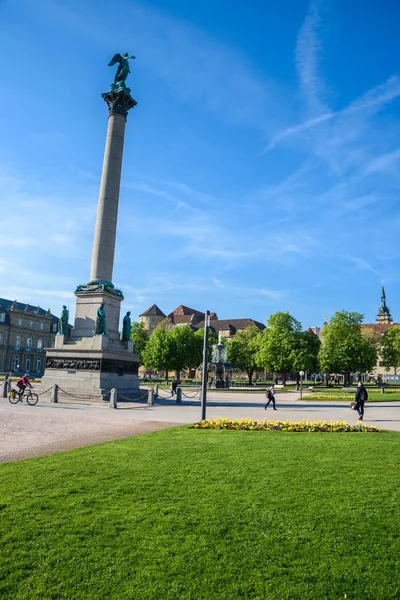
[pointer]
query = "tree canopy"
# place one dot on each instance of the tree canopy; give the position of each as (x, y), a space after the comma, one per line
(243, 350)
(157, 354)
(344, 348)
(140, 337)
(284, 348)
(391, 348)
(186, 349)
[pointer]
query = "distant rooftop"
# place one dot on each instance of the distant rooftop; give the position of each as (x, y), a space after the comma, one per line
(153, 311)
(232, 324)
(6, 305)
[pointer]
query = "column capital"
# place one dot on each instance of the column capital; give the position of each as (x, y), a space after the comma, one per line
(119, 101)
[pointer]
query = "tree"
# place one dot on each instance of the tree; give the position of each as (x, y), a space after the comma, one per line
(344, 348)
(391, 348)
(243, 350)
(157, 353)
(305, 352)
(279, 343)
(140, 337)
(186, 349)
(212, 340)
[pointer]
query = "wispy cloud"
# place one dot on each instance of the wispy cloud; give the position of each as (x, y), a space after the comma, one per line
(307, 56)
(370, 102)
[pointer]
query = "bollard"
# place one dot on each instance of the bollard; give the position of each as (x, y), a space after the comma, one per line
(54, 394)
(179, 395)
(156, 391)
(150, 397)
(113, 399)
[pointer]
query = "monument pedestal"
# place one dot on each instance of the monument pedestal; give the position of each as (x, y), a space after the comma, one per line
(87, 364)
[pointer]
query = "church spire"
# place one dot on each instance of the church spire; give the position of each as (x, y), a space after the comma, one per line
(384, 315)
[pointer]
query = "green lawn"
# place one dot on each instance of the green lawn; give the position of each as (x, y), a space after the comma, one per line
(193, 514)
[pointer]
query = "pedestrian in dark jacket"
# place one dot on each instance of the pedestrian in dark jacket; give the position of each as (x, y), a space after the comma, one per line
(361, 398)
(271, 397)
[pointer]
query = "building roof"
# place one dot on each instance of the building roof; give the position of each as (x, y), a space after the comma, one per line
(378, 327)
(153, 311)
(232, 324)
(182, 310)
(184, 315)
(6, 305)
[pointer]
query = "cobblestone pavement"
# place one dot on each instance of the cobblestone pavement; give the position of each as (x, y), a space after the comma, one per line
(27, 431)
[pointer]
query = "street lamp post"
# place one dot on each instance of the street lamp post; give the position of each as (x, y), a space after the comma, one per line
(301, 384)
(205, 367)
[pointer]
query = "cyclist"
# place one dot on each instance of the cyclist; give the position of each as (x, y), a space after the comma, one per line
(23, 382)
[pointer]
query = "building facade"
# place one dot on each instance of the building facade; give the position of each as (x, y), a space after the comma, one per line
(25, 332)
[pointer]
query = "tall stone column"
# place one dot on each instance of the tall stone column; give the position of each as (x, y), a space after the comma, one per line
(94, 359)
(100, 287)
(107, 210)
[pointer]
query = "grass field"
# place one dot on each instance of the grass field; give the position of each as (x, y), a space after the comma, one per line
(193, 514)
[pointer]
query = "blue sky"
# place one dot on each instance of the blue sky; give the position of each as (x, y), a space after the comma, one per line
(261, 165)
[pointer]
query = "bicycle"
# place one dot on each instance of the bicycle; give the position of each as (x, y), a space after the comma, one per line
(15, 397)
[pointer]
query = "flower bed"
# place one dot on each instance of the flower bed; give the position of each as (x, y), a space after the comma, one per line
(329, 397)
(303, 426)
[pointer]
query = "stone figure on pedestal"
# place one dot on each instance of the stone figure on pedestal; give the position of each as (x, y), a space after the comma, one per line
(63, 322)
(126, 327)
(101, 321)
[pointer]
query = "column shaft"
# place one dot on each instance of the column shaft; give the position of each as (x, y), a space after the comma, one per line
(107, 210)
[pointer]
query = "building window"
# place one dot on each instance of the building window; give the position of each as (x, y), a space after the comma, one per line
(19, 322)
(2, 317)
(18, 342)
(55, 327)
(15, 363)
(28, 364)
(40, 344)
(39, 364)
(29, 343)
(1, 339)
(30, 323)
(41, 325)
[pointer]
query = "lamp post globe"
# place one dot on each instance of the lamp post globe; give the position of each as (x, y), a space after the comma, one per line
(301, 373)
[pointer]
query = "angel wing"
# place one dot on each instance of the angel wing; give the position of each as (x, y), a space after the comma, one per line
(117, 58)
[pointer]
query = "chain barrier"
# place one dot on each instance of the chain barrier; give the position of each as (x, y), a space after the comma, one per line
(194, 395)
(168, 394)
(131, 399)
(78, 397)
(43, 393)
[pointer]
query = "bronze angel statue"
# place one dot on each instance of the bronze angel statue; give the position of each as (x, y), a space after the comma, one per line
(123, 69)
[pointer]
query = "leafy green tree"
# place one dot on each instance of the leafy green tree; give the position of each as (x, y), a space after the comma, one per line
(279, 343)
(140, 337)
(212, 340)
(305, 352)
(391, 348)
(344, 348)
(243, 350)
(158, 351)
(186, 349)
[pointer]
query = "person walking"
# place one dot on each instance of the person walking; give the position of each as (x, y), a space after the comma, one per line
(174, 385)
(361, 398)
(271, 397)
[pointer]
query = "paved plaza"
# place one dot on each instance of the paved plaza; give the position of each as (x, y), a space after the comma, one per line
(27, 431)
